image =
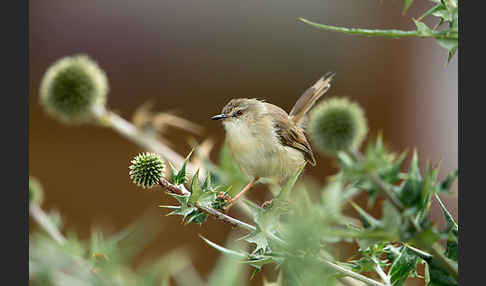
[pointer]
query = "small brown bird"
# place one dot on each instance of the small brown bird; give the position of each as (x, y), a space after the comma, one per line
(266, 141)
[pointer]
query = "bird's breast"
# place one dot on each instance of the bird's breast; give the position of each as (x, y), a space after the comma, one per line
(258, 151)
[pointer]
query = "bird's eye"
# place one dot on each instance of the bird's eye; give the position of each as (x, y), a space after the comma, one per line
(238, 113)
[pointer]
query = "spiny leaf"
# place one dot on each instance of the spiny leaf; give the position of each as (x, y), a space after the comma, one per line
(402, 267)
(450, 45)
(224, 249)
(414, 171)
(180, 177)
(437, 276)
(420, 253)
(259, 239)
(207, 182)
(432, 10)
(451, 224)
(196, 189)
(183, 211)
(447, 183)
(198, 217)
(257, 261)
(169, 207)
(367, 220)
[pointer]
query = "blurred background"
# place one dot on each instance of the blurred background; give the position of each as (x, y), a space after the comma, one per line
(192, 57)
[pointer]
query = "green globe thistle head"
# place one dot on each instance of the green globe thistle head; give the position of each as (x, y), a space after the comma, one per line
(36, 194)
(337, 124)
(72, 88)
(146, 169)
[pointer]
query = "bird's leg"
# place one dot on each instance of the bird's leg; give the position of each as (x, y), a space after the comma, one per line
(241, 193)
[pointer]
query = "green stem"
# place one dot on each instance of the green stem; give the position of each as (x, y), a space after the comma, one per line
(380, 272)
(129, 131)
(46, 224)
(446, 35)
(351, 273)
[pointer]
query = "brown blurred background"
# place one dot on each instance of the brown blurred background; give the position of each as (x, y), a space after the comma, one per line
(192, 57)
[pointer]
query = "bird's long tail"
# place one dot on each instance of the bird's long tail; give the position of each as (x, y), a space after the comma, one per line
(309, 98)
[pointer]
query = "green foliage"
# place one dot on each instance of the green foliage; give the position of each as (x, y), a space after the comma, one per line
(146, 169)
(337, 124)
(103, 260)
(72, 87)
(36, 195)
(446, 11)
(296, 232)
(403, 266)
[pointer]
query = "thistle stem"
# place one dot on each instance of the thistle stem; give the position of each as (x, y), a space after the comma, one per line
(380, 272)
(351, 273)
(182, 191)
(129, 131)
(446, 35)
(46, 224)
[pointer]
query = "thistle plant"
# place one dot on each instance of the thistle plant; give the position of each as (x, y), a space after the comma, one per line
(299, 231)
(72, 88)
(337, 124)
(146, 169)
(445, 32)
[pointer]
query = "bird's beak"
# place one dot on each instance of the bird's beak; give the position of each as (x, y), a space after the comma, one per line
(219, 116)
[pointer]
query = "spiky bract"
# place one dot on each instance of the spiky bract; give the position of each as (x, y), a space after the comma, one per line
(146, 169)
(337, 124)
(72, 87)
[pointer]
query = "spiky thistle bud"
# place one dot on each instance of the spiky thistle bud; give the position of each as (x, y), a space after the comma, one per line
(72, 88)
(36, 195)
(146, 169)
(336, 125)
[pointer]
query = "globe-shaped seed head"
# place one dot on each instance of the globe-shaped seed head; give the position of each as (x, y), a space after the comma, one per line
(337, 124)
(146, 169)
(72, 88)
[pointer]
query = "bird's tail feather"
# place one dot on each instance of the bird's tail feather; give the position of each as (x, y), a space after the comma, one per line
(309, 98)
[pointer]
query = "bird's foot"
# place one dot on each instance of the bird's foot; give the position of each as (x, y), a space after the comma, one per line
(267, 204)
(240, 194)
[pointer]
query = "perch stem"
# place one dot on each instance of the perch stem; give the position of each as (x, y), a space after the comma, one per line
(129, 131)
(182, 191)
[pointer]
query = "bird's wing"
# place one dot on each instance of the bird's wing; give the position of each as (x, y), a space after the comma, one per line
(289, 133)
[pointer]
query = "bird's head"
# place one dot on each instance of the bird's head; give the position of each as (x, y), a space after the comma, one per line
(241, 110)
